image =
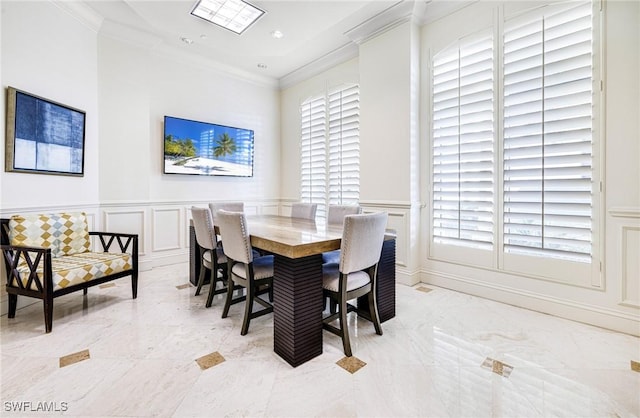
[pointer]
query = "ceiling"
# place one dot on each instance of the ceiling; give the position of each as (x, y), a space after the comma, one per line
(314, 30)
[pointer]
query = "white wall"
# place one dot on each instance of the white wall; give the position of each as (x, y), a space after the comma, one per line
(46, 52)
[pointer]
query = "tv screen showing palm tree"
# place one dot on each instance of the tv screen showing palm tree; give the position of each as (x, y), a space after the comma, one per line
(208, 149)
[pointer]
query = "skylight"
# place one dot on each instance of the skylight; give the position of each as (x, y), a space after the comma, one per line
(235, 15)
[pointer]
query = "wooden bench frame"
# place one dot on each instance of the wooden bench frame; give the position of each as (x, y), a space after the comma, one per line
(38, 256)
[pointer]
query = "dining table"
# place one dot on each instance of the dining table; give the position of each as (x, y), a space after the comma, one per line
(297, 246)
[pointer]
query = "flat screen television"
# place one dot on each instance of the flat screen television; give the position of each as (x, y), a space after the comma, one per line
(206, 149)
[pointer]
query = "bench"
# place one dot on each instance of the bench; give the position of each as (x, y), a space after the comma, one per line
(49, 255)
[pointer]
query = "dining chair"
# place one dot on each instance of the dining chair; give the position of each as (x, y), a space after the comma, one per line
(355, 275)
(335, 217)
(304, 210)
(213, 257)
(255, 274)
(214, 207)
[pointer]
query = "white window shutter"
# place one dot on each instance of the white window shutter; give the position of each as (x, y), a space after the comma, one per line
(548, 102)
(344, 146)
(463, 144)
(330, 145)
(313, 150)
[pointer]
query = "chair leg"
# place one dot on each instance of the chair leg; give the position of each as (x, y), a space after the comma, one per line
(248, 307)
(373, 312)
(48, 314)
(200, 280)
(344, 329)
(134, 285)
(212, 289)
(13, 304)
(227, 302)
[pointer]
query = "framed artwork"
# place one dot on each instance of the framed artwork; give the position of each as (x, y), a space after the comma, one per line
(43, 136)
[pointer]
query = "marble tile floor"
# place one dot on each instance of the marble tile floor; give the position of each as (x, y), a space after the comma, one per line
(445, 354)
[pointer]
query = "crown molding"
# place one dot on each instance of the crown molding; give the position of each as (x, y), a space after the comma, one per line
(393, 16)
(388, 19)
(317, 66)
(81, 12)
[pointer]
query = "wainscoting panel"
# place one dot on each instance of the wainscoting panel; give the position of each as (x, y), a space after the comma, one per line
(167, 229)
(131, 221)
(623, 255)
(399, 214)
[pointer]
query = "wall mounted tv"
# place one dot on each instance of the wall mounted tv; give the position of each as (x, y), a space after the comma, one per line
(207, 149)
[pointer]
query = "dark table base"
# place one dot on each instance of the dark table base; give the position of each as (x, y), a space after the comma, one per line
(297, 308)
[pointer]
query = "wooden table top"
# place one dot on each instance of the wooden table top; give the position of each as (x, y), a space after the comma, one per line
(291, 237)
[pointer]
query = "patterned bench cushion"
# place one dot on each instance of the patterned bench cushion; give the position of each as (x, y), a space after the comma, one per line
(79, 268)
(64, 233)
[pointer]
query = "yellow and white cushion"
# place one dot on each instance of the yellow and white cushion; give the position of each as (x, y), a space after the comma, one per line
(64, 233)
(79, 268)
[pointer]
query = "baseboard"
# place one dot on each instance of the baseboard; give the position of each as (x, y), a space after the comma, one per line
(406, 277)
(568, 309)
(165, 260)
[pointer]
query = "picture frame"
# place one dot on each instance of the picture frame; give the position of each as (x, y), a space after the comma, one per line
(43, 136)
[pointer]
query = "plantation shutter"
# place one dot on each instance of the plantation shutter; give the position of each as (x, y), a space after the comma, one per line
(463, 144)
(548, 101)
(313, 148)
(344, 146)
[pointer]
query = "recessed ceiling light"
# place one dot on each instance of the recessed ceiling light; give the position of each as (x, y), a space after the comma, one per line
(235, 15)
(262, 66)
(277, 34)
(186, 40)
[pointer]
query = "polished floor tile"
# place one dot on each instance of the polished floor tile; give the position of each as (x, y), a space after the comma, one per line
(445, 354)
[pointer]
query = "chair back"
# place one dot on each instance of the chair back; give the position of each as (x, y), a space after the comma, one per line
(338, 212)
(304, 210)
(214, 207)
(362, 239)
(235, 235)
(203, 225)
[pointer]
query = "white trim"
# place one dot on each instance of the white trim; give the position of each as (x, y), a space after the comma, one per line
(624, 212)
(628, 323)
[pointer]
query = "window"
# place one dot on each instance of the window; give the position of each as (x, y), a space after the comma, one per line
(463, 156)
(514, 180)
(330, 144)
(548, 135)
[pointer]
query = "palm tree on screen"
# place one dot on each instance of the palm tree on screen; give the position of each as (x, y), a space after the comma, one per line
(225, 145)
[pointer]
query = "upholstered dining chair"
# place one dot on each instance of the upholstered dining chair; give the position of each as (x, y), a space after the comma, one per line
(213, 257)
(244, 269)
(304, 210)
(355, 275)
(214, 207)
(335, 217)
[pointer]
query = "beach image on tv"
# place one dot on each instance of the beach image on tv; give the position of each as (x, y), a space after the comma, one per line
(192, 147)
